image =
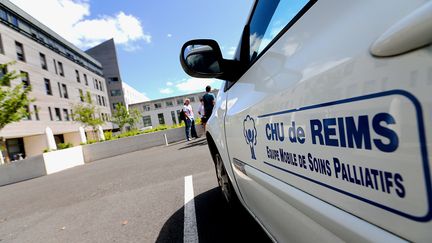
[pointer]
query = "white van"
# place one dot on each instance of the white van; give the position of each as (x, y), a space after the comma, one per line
(323, 127)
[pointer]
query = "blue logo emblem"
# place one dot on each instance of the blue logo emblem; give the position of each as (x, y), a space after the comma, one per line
(250, 133)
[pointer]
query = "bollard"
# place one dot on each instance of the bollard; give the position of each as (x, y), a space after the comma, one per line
(166, 140)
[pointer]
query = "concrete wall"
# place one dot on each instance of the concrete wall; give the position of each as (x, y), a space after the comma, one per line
(35, 145)
(55, 161)
(72, 137)
(40, 165)
(97, 151)
(22, 170)
(63, 159)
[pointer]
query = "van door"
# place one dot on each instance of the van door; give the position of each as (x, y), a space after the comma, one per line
(327, 141)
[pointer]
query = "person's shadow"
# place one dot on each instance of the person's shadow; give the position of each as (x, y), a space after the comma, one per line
(194, 143)
(216, 222)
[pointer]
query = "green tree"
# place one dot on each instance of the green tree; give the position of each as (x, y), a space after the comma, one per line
(85, 113)
(134, 117)
(14, 101)
(121, 116)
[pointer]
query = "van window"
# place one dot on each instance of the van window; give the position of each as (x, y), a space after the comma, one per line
(269, 18)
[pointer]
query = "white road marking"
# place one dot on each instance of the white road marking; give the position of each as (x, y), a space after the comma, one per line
(190, 233)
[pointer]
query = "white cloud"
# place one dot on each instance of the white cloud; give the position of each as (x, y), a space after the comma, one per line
(70, 19)
(257, 43)
(169, 83)
(169, 35)
(194, 84)
(166, 91)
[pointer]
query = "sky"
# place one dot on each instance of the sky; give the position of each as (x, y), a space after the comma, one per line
(148, 34)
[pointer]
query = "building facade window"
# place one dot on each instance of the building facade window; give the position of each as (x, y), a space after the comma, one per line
(50, 113)
(88, 96)
(85, 79)
(25, 79)
(3, 14)
(59, 88)
(147, 121)
(173, 117)
(169, 103)
(192, 99)
(28, 116)
(43, 61)
(60, 69)
(77, 76)
(95, 84)
(179, 101)
(15, 148)
(116, 92)
(178, 116)
(57, 114)
(20, 51)
(81, 95)
(72, 115)
(100, 86)
(48, 89)
(66, 115)
(146, 107)
(55, 66)
(113, 79)
(59, 138)
(3, 71)
(13, 20)
(1, 45)
(103, 101)
(161, 119)
(37, 34)
(65, 92)
(36, 111)
(99, 100)
(158, 105)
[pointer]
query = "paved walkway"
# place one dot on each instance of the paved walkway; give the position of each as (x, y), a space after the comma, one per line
(135, 197)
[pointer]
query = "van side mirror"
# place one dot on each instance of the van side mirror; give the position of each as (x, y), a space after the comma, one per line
(202, 58)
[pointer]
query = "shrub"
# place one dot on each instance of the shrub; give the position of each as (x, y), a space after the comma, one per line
(108, 135)
(128, 134)
(161, 127)
(149, 130)
(64, 145)
(158, 128)
(91, 141)
(47, 150)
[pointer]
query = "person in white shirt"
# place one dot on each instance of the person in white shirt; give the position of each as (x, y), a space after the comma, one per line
(189, 120)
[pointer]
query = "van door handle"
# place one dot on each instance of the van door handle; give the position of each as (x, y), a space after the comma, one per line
(411, 32)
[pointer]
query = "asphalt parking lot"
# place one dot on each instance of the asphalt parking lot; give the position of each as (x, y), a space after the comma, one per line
(135, 197)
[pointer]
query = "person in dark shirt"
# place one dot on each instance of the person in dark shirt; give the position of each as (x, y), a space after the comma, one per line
(209, 102)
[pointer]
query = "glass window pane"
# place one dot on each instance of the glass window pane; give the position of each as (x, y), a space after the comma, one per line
(269, 18)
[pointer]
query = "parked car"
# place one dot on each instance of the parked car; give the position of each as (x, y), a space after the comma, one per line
(323, 126)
